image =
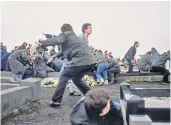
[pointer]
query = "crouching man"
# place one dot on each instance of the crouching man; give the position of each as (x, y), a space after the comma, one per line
(96, 109)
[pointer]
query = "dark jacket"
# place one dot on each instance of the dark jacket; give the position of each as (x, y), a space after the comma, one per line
(161, 60)
(80, 116)
(3, 52)
(16, 61)
(145, 62)
(100, 57)
(131, 53)
(113, 63)
(77, 52)
(40, 66)
(154, 55)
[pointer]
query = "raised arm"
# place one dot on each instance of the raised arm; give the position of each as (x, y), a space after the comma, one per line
(53, 41)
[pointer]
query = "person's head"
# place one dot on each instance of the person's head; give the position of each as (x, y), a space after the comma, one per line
(16, 47)
(149, 53)
(30, 45)
(23, 46)
(5, 47)
(100, 51)
(2, 44)
(66, 27)
(110, 55)
(97, 101)
(106, 52)
(87, 28)
(168, 52)
(153, 49)
(136, 44)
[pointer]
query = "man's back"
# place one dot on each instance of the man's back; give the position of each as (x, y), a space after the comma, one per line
(145, 59)
(77, 52)
(161, 60)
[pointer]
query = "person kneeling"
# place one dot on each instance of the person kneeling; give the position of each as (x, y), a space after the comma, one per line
(144, 64)
(96, 108)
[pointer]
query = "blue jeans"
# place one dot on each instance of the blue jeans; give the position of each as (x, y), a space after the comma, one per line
(101, 69)
(118, 106)
(65, 61)
(17, 76)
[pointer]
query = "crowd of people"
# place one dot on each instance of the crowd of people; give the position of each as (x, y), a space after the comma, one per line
(75, 59)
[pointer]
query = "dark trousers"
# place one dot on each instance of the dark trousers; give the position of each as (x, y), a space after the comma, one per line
(112, 72)
(163, 70)
(76, 74)
(130, 66)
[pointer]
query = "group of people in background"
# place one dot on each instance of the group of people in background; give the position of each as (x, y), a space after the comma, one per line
(152, 61)
(76, 58)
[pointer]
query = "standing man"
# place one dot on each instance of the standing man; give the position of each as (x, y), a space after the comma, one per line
(130, 56)
(87, 30)
(80, 57)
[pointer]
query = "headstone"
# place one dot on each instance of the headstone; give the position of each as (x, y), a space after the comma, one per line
(34, 84)
(139, 120)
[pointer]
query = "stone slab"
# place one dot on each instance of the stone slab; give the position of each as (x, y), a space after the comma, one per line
(155, 78)
(14, 98)
(139, 120)
(4, 73)
(35, 85)
(5, 79)
(151, 92)
(53, 74)
(160, 123)
(8, 85)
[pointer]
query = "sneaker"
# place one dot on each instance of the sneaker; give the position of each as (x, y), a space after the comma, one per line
(54, 104)
(71, 93)
(101, 82)
(106, 82)
(13, 80)
(77, 94)
(18, 80)
(164, 83)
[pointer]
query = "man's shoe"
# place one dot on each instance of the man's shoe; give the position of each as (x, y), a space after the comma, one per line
(71, 93)
(164, 83)
(106, 82)
(54, 104)
(75, 94)
(13, 80)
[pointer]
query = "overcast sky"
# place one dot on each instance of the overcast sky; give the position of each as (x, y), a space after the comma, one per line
(116, 25)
